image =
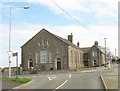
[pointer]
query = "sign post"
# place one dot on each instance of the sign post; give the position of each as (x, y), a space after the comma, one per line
(9, 56)
(16, 54)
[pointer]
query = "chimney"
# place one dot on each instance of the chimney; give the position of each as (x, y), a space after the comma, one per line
(70, 38)
(96, 43)
(78, 44)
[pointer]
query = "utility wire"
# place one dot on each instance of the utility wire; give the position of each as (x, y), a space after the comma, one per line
(68, 14)
(72, 17)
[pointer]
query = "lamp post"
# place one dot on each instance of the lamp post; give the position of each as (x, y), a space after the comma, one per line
(105, 51)
(10, 52)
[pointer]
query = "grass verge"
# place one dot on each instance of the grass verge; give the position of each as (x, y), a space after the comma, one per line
(19, 80)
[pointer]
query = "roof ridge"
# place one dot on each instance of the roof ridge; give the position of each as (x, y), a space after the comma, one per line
(60, 38)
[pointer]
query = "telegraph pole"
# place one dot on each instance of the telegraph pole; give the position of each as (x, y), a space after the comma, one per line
(105, 52)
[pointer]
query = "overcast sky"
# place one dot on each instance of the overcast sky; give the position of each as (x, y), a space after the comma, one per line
(93, 20)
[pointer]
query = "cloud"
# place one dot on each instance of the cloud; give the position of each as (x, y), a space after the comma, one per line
(110, 32)
(99, 7)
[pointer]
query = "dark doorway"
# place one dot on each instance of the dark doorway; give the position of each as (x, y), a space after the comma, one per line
(31, 64)
(58, 64)
(85, 63)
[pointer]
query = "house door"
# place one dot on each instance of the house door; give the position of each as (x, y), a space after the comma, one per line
(58, 64)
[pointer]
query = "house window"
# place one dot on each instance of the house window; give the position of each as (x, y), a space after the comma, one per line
(29, 53)
(80, 57)
(94, 53)
(36, 57)
(71, 57)
(43, 42)
(50, 57)
(48, 43)
(43, 56)
(86, 55)
(39, 44)
(94, 62)
(57, 52)
(74, 58)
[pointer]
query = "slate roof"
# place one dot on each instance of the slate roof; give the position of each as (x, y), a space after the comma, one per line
(60, 38)
(66, 41)
(87, 49)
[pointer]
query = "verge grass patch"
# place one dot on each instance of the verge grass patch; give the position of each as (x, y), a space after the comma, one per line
(19, 80)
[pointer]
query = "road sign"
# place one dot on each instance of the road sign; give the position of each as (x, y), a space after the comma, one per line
(9, 54)
(15, 54)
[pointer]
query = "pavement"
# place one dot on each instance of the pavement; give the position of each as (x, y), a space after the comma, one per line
(111, 79)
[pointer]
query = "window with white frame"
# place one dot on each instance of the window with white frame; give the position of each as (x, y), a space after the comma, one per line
(43, 56)
(94, 53)
(50, 57)
(36, 57)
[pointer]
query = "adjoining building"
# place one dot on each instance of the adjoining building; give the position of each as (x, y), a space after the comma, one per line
(47, 51)
(93, 56)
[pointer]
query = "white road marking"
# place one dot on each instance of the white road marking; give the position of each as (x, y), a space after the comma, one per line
(49, 78)
(70, 76)
(61, 84)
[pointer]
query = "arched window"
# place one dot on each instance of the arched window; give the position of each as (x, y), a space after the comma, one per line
(43, 56)
(50, 57)
(43, 42)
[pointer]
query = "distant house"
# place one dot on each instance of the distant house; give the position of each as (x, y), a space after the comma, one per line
(47, 51)
(93, 56)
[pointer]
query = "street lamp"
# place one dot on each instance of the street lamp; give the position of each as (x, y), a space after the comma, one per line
(25, 7)
(105, 51)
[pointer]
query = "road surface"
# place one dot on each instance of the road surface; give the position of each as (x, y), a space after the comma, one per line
(86, 79)
(70, 80)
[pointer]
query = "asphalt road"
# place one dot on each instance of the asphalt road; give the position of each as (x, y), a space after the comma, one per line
(85, 79)
(89, 79)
